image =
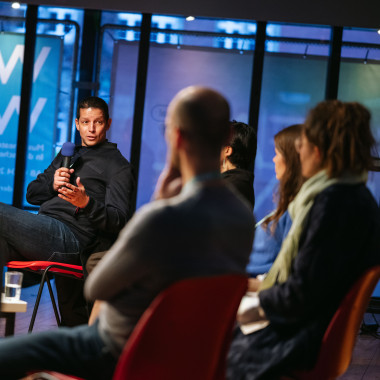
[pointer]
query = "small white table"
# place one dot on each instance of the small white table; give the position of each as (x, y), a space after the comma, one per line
(8, 311)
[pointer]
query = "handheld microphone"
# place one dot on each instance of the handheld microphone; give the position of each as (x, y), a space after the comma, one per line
(67, 152)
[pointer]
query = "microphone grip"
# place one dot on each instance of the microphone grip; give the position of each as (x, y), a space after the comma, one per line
(66, 161)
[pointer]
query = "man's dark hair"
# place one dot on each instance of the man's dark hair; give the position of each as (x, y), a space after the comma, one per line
(93, 102)
(244, 144)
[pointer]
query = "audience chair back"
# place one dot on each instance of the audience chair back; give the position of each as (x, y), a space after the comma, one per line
(185, 333)
(339, 339)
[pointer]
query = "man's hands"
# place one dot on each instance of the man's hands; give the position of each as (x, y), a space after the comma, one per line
(61, 177)
(169, 183)
(76, 195)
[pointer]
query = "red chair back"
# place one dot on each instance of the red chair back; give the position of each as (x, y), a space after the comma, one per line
(339, 339)
(185, 333)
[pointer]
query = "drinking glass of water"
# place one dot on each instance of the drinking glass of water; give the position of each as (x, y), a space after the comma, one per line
(12, 289)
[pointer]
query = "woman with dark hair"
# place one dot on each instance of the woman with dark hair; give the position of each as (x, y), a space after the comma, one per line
(334, 238)
(237, 160)
(273, 228)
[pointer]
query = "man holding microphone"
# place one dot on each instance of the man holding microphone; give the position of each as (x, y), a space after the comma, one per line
(82, 207)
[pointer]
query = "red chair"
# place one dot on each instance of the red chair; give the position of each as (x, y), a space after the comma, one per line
(44, 268)
(184, 334)
(339, 339)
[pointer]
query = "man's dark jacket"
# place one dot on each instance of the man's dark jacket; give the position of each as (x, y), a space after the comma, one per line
(109, 182)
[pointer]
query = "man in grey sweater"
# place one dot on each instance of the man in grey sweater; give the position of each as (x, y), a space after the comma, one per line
(197, 226)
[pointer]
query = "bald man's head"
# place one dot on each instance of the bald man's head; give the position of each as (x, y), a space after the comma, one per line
(202, 115)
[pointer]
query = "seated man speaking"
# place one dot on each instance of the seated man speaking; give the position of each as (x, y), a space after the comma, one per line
(83, 206)
(199, 227)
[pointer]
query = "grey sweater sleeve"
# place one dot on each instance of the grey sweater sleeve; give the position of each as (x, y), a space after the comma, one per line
(127, 261)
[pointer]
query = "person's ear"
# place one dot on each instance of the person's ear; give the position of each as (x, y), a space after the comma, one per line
(77, 124)
(109, 122)
(228, 151)
(178, 138)
(318, 154)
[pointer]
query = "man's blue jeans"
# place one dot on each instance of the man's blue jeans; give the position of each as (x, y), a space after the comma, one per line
(26, 236)
(78, 351)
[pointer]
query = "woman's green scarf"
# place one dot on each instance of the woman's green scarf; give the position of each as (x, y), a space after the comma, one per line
(298, 210)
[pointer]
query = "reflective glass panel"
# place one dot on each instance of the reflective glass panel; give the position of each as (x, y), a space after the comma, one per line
(294, 77)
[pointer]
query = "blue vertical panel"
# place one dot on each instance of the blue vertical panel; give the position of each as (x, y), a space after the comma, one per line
(122, 100)
(171, 69)
(291, 87)
(11, 56)
(43, 106)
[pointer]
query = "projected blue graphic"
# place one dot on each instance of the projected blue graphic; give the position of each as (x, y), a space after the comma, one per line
(42, 108)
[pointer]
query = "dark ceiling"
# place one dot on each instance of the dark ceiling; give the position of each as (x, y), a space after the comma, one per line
(351, 13)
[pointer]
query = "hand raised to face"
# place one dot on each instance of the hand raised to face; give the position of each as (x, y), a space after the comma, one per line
(169, 183)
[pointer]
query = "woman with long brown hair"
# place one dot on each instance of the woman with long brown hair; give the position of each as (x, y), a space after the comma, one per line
(273, 228)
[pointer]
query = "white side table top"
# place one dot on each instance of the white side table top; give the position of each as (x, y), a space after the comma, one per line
(13, 306)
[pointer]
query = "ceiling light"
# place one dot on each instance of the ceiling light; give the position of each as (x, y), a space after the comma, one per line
(16, 5)
(378, 32)
(190, 18)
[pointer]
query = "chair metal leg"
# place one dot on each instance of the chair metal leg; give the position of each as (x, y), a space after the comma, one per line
(58, 268)
(52, 298)
(37, 303)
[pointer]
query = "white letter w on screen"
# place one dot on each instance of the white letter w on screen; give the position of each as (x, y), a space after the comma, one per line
(14, 105)
(6, 70)
(18, 54)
